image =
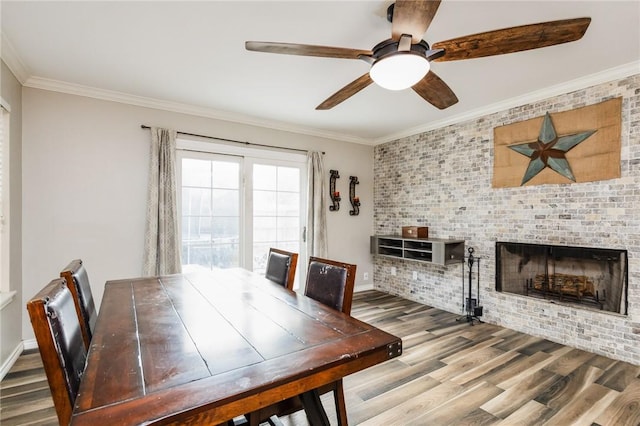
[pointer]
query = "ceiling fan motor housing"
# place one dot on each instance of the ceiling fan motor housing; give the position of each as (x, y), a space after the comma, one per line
(390, 47)
(390, 12)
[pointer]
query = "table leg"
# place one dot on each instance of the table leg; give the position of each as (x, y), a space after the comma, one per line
(314, 409)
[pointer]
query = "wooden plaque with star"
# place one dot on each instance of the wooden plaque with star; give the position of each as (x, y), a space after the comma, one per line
(581, 145)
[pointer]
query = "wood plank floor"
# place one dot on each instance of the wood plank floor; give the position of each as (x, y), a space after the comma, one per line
(451, 373)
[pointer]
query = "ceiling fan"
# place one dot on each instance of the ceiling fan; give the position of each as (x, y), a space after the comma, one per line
(403, 60)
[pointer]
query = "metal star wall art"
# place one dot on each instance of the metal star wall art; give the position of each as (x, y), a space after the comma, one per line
(549, 151)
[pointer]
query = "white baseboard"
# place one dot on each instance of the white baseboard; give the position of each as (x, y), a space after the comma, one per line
(30, 344)
(6, 366)
(364, 287)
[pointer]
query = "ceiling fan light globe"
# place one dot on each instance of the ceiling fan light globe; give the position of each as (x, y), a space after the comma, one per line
(399, 71)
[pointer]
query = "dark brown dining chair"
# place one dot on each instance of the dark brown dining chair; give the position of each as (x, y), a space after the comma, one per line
(331, 283)
(78, 282)
(59, 336)
(281, 267)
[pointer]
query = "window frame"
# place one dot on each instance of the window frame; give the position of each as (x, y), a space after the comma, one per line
(195, 147)
(6, 294)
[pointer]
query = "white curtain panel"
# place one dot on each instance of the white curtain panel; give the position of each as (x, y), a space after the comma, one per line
(317, 206)
(162, 242)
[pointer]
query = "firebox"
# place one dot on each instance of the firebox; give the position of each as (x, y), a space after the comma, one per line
(595, 278)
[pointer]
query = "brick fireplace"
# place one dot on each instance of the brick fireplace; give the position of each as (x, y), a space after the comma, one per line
(442, 178)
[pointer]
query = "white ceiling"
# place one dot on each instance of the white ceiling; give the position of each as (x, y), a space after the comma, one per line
(190, 56)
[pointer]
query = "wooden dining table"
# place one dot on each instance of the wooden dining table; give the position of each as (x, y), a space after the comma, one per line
(205, 347)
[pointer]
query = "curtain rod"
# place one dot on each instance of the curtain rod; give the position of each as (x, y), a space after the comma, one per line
(143, 126)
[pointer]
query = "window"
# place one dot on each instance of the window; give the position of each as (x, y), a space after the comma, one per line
(6, 295)
(276, 211)
(210, 206)
(238, 202)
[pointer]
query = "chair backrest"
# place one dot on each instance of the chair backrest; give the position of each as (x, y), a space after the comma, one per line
(331, 283)
(281, 267)
(57, 330)
(78, 282)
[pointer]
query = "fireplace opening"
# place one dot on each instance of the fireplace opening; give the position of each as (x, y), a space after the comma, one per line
(590, 277)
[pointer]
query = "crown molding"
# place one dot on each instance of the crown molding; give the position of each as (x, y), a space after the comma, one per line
(20, 70)
(125, 98)
(605, 76)
(12, 59)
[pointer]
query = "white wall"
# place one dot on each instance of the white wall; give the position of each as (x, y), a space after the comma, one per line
(84, 186)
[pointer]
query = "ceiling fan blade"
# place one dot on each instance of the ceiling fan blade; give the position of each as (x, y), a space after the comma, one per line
(514, 39)
(306, 50)
(346, 92)
(435, 91)
(412, 17)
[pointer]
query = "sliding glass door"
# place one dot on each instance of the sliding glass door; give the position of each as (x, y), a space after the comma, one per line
(234, 208)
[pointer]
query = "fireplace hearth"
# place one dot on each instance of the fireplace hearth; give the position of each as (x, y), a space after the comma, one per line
(593, 278)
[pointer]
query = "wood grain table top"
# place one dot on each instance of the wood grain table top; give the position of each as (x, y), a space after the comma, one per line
(206, 347)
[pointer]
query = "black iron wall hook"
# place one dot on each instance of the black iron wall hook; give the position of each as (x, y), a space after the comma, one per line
(355, 200)
(335, 195)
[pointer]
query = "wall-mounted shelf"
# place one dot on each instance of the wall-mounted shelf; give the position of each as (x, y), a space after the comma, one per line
(438, 251)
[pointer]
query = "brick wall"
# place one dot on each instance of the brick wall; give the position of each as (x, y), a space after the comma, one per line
(442, 179)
